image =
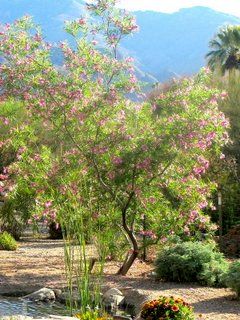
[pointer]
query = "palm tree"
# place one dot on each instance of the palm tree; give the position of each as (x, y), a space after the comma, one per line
(225, 53)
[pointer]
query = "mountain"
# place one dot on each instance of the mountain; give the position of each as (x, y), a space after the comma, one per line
(175, 44)
(49, 14)
(167, 45)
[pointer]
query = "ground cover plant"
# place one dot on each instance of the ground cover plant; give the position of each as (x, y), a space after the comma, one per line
(7, 242)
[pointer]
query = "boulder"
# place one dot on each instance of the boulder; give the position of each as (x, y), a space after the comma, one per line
(113, 298)
(44, 294)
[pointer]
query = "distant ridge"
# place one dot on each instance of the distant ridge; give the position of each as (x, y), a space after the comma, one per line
(167, 45)
(175, 44)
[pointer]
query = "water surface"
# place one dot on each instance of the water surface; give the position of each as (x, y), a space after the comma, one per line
(18, 306)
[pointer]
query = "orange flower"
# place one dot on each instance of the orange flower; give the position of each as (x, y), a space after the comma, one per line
(178, 300)
(175, 308)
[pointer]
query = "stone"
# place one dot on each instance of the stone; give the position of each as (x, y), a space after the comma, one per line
(113, 298)
(58, 292)
(136, 298)
(63, 297)
(44, 294)
(152, 275)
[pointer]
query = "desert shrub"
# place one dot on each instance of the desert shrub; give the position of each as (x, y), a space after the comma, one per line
(15, 213)
(167, 308)
(7, 242)
(192, 262)
(232, 277)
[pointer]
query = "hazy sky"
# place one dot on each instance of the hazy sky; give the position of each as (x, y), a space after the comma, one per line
(228, 6)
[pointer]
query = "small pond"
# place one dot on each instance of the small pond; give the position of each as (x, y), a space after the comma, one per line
(11, 306)
(18, 306)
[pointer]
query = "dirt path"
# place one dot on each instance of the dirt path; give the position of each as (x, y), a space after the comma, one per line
(35, 264)
(40, 263)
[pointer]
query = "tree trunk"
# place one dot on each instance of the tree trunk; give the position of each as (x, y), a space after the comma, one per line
(135, 249)
(128, 263)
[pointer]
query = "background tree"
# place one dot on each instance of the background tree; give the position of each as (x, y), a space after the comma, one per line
(225, 53)
(228, 172)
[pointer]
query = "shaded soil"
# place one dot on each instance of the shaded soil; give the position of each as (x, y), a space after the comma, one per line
(40, 263)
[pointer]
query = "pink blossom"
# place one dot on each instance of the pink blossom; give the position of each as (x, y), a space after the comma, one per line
(48, 204)
(95, 215)
(138, 107)
(186, 230)
(82, 21)
(193, 216)
(133, 79)
(152, 199)
(37, 157)
(203, 204)
(224, 95)
(145, 164)
(111, 175)
(202, 145)
(225, 123)
(144, 147)
(148, 234)
(163, 239)
(129, 60)
(122, 115)
(99, 150)
(53, 215)
(42, 103)
(3, 177)
(154, 107)
(117, 160)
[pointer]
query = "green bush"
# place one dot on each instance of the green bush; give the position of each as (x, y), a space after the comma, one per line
(7, 242)
(167, 308)
(232, 277)
(192, 262)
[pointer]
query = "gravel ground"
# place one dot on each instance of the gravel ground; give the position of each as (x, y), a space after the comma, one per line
(39, 263)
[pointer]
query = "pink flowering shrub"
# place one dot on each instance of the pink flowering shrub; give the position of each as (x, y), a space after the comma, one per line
(87, 151)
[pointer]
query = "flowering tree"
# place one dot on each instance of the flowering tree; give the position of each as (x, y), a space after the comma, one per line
(102, 154)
